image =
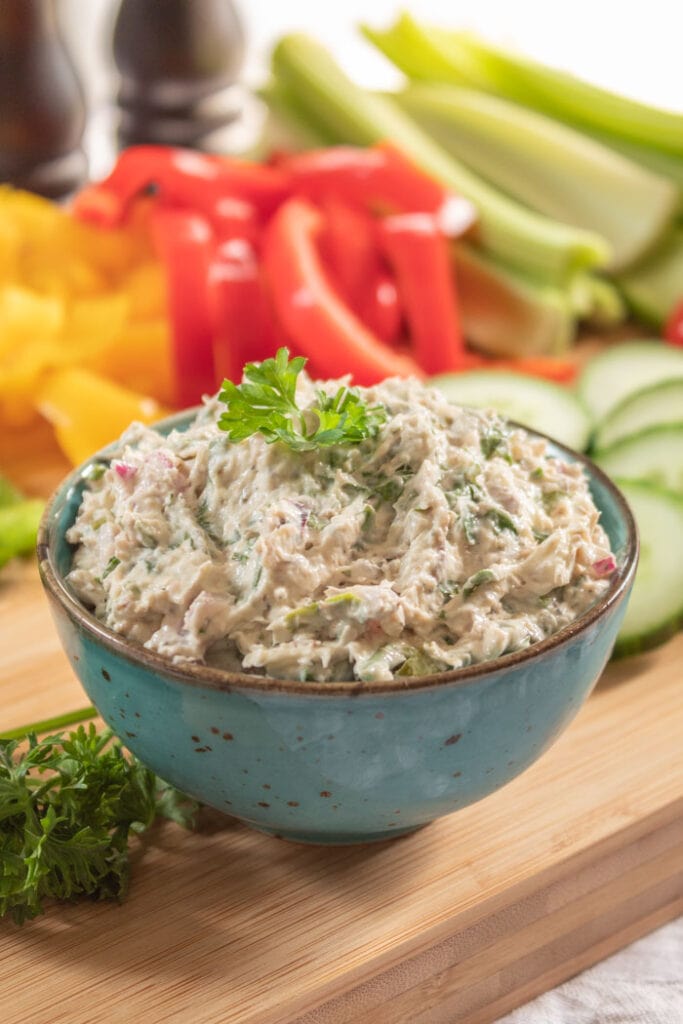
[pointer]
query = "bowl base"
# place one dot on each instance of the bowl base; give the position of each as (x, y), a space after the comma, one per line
(337, 838)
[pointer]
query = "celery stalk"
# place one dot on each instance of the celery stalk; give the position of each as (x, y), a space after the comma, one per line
(287, 126)
(406, 45)
(664, 164)
(464, 58)
(655, 286)
(560, 94)
(597, 301)
(550, 167)
(504, 315)
(540, 247)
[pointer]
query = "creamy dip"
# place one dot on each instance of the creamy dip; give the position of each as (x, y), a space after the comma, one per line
(448, 539)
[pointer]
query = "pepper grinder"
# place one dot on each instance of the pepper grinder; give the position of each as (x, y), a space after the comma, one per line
(42, 107)
(178, 61)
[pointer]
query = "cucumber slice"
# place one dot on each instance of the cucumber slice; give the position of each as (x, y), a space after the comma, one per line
(652, 406)
(653, 456)
(655, 609)
(622, 369)
(535, 403)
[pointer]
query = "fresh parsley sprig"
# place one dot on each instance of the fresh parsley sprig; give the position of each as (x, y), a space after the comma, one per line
(265, 403)
(68, 806)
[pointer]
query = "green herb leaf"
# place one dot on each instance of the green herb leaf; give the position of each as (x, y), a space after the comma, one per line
(476, 581)
(111, 565)
(551, 498)
(494, 442)
(265, 403)
(68, 805)
(501, 520)
(469, 524)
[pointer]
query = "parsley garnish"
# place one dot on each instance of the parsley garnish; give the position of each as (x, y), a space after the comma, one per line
(68, 805)
(265, 403)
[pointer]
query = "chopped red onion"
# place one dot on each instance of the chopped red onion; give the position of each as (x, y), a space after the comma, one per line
(125, 470)
(605, 566)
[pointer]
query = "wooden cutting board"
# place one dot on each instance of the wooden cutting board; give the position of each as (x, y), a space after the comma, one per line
(459, 922)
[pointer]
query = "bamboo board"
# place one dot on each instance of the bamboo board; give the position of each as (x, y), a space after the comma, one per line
(459, 922)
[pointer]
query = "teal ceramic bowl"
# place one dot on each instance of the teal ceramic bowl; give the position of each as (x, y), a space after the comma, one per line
(338, 762)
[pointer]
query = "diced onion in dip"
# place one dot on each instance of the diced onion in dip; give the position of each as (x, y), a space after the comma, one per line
(448, 539)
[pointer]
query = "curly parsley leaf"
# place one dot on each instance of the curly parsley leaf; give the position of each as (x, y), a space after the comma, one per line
(265, 403)
(68, 806)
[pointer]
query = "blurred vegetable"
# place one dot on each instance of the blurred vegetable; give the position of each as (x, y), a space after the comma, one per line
(551, 168)
(654, 285)
(380, 179)
(88, 411)
(625, 157)
(538, 404)
(73, 295)
(309, 309)
(463, 58)
(185, 242)
(419, 255)
(504, 314)
(179, 177)
(19, 520)
(242, 322)
(526, 240)
(348, 244)
(18, 527)
(673, 332)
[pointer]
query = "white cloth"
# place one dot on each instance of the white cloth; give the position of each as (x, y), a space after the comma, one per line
(642, 984)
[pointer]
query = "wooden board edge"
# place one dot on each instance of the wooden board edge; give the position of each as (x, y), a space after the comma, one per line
(643, 860)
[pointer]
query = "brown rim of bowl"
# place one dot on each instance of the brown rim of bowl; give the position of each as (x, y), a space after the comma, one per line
(221, 679)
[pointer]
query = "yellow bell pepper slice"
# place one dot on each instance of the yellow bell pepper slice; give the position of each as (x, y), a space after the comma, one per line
(88, 411)
(140, 359)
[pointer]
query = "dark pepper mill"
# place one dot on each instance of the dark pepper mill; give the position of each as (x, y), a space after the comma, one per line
(178, 61)
(42, 109)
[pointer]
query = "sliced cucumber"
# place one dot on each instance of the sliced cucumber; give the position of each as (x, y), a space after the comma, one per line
(652, 406)
(653, 456)
(655, 610)
(622, 369)
(535, 403)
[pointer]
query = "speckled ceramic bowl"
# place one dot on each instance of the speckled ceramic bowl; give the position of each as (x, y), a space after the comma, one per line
(338, 762)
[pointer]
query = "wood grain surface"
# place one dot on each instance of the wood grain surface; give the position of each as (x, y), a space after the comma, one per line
(459, 922)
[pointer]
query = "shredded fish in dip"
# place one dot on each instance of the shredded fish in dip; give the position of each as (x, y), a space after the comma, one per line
(448, 539)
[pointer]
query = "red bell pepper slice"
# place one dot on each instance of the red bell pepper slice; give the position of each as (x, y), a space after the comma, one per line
(348, 243)
(235, 218)
(380, 308)
(180, 177)
(319, 323)
(184, 242)
(380, 179)
(243, 325)
(419, 255)
(673, 330)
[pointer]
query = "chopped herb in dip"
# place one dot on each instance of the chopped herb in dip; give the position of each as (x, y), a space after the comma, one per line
(327, 532)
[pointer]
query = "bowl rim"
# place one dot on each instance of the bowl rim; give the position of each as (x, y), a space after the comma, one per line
(225, 680)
